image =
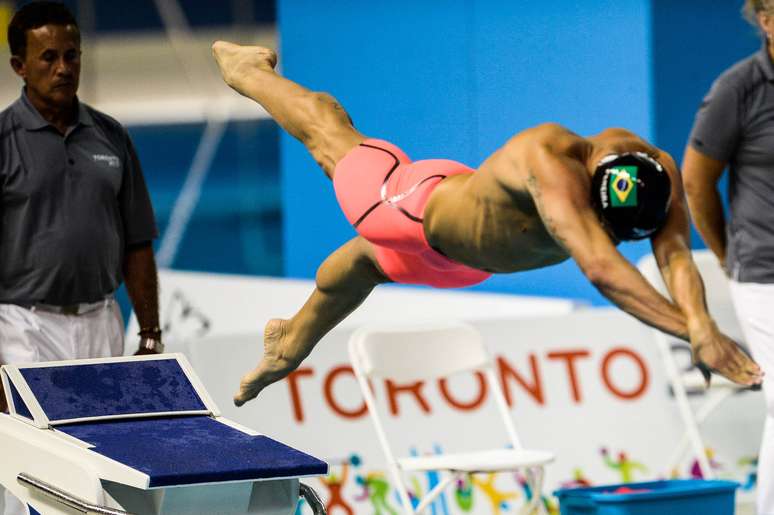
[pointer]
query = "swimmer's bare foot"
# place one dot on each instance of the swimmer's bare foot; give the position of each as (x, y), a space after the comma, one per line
(276, 364)
(237, 62)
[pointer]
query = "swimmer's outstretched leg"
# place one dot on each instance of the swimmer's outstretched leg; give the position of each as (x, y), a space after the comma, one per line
(343, 282)
(315, 119)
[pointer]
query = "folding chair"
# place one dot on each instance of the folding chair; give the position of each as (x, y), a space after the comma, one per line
(690, 379)
(430, 352)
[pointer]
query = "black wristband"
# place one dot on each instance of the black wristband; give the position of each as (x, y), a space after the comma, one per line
(150, 332)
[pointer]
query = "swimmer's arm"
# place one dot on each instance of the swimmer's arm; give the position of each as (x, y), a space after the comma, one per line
(709, 346)
(559, 186)
(343, 282)
(711, 349)
(673, 254)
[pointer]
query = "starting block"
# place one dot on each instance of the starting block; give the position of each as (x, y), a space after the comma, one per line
(138, 435)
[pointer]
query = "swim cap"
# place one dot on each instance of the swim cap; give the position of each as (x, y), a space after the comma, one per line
(631, 193)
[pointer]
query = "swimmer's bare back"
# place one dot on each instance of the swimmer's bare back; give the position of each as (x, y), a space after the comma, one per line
(488, 220)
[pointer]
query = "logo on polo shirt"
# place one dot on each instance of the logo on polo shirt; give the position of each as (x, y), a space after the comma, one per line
(111, 161)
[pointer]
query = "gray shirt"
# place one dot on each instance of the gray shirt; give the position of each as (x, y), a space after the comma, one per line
(69, 206)
(735, 125)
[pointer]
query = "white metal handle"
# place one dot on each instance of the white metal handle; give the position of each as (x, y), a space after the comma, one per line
(311, 497)
(66, 498)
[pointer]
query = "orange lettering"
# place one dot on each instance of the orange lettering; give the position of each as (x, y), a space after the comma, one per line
(465, 406)
(535, 390)
(644, 376)
(295, 394)
(570, 356)
(393, 390)
(328, 393)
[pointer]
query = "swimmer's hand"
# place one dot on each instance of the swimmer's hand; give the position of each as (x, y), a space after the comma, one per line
(276, 363)
(715, 352)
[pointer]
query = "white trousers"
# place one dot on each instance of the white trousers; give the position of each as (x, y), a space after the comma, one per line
(754, 305)
(32, 335)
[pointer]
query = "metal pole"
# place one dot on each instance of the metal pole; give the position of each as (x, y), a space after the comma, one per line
(181, 38)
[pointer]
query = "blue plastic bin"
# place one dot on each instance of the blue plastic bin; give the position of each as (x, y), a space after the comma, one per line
(673, 497)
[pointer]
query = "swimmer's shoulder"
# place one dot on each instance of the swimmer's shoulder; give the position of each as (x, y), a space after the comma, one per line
(550, 134)
(525, 153)
(551, 138)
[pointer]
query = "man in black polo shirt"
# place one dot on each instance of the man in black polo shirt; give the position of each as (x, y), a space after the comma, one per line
(75, 215)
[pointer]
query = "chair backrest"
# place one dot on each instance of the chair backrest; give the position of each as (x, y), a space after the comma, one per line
(716, 289)
(421, 352)
(426, 351)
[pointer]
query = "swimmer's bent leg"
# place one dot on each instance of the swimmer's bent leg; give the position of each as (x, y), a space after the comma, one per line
(344, 280)
(315, 119)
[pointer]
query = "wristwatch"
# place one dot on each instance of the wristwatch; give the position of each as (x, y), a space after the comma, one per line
(151, 344)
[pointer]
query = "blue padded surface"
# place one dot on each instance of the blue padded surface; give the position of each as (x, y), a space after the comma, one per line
(103, 389)
(193, 449)
(19, 404)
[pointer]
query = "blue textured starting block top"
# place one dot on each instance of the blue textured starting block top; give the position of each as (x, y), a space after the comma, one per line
(140, 387)
(175, 451)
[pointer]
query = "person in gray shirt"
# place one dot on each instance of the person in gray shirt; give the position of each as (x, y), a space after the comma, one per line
(75, 214)
(734, 128)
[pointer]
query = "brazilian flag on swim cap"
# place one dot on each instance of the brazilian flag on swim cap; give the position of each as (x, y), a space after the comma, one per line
(623, 186)
(631, 193)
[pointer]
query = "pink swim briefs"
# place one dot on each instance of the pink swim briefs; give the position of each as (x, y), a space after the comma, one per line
(383, 195)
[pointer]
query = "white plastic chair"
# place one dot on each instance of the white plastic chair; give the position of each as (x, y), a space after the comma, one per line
(430, 352)
(721, 308)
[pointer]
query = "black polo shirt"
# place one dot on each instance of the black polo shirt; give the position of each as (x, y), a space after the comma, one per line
(69, 206)
(735, 125)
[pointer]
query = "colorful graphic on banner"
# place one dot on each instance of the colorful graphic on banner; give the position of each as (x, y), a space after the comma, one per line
(376, 489)
(696, 472)
(623, 465)
(334, 484)
(749, 465)
(497, 498)
(463, 494)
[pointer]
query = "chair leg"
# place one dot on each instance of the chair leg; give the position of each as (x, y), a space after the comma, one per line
(715, 398)
(403, 495)
(677, 455)
(684, 407)
(435, 492)
(535, 483)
